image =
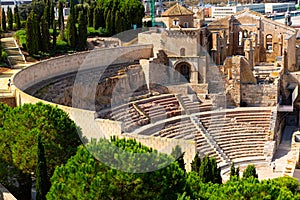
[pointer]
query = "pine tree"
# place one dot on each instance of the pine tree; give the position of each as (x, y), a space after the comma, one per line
(196, 163)
(42, 180)
(32, 36)
(45, 36)
(3, 21)
(17, 17)
(71, 28)
(82, 30)
(10, 19)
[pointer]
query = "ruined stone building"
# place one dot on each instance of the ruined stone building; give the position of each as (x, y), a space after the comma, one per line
(225, 90)
(245, 52)
(244, 60)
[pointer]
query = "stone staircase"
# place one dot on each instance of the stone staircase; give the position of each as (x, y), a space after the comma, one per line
(210, 140)
(14, 54)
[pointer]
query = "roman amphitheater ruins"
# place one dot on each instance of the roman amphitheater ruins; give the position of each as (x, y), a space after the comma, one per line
(222, 89)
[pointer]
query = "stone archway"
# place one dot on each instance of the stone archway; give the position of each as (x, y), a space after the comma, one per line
(184, 69)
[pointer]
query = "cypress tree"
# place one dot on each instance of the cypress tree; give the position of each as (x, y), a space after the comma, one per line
(82, 30)
(46, 14)
(250, 171)
(45, 36)
(32, 36)
(77, 8)
(10, 19)
(71, 28)
(52, 15)
(91, 15)
(118, 23)
(178, 155)
(101, 18)
(232, 170)
(107, 22)
(112, 23)
(237, 172)
(60, 15)
(96, 20)
(1, 49)
(54, 36)
(17, 17)
(42, 180)
(196, 163)
(3, 20)
(209, 171)
(205, 170)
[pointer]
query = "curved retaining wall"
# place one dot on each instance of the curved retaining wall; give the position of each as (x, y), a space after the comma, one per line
(93, 127)
(100, 58)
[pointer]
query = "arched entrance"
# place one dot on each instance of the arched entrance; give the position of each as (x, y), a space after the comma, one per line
(185, 70)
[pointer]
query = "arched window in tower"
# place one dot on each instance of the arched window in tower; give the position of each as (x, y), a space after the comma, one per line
(240, 38)
(245, 33)
(269, 43)
(182, 52)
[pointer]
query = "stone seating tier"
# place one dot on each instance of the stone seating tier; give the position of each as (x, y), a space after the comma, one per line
(239, 134)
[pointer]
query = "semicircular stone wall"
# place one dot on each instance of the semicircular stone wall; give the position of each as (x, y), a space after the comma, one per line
(92, 126)
(64, 65)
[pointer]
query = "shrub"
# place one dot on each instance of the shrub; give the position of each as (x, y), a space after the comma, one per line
(23, 24)
(4, 55)
(20, 35)
(99, 32)
(62, 45)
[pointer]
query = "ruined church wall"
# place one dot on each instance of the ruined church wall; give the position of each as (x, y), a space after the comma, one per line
(259, 94)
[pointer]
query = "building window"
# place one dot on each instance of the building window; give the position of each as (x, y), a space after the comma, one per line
(245, 33)
(182, 52)
(240, 38)
(186, 24)
(176, 22)
(269, 43)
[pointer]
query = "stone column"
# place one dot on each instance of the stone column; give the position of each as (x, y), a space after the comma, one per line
(194, 77)
(249, 51)
(280, 44)
(216, 47)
